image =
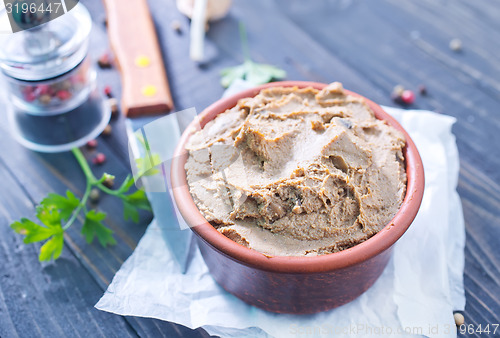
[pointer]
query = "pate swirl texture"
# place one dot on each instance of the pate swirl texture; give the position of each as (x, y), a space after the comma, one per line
(294, 172)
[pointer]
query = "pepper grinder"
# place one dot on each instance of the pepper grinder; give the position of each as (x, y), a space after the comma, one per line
(50, 82)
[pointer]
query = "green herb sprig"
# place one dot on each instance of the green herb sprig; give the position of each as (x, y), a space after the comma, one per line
(255, 73)
(56, 213)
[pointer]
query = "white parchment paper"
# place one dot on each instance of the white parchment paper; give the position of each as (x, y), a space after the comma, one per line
(415, 296)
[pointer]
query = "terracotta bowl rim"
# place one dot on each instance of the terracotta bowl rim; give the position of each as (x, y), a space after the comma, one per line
(359, 253)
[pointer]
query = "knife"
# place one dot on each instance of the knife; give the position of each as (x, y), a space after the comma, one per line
(145, 95)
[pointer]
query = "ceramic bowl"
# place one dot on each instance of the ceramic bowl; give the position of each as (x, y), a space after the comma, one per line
(299, 285)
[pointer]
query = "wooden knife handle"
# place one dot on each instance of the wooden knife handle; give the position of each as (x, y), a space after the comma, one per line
(133, 38)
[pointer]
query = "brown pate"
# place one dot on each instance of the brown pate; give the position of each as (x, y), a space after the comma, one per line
(294, 172)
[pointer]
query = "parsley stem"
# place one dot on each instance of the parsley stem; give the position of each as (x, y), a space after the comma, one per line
(82, 204)
(91, 179)
(107, 190)
(55, 208)
(84, 165)
(244, 42)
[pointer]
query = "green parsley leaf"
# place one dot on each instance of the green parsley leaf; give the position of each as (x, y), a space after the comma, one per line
(139, 200)
(133, 202)
(65, 205)
(146, 166)
(33, 231)
(230, 74)
(129, 212)
(262, 73)
(48, 215)
(52, 248)
(126, 185)
(93, 227)
(36, 233)
(54, 209)
(255, 73)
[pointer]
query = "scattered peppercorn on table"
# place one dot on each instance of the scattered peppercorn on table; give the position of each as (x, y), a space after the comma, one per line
(426, 54)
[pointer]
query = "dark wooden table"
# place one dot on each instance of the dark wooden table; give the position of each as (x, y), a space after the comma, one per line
(370, 46)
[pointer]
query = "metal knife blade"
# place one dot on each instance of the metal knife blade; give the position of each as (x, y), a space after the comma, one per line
(145, 93)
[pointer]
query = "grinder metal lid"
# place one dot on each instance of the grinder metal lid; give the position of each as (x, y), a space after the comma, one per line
(47, 50)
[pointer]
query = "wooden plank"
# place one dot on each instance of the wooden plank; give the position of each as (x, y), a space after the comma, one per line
(289, 47)
(366, 45)
(38, 174)
(460, 84)
(40, 299)
(192, 85)
(467, 21)
(484, 288)
(43, 173)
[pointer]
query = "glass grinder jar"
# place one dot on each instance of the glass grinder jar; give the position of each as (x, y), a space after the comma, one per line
(49, 84)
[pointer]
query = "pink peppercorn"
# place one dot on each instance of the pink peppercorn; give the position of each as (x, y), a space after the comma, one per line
(408, 97)
(29, 97)
(92, 144)
(63, 95)
(107, 91)
(43, 89)
(27, 89)
(100, 158)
